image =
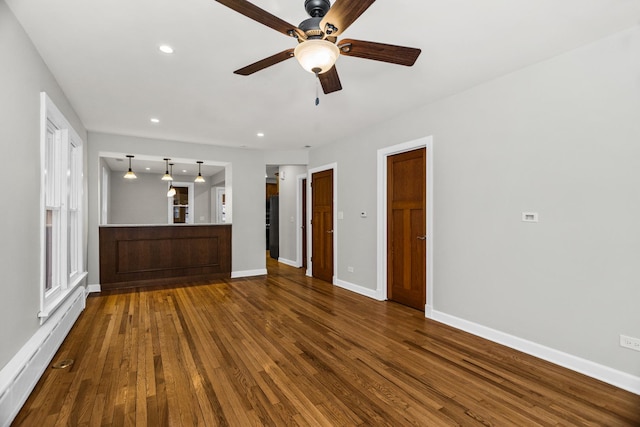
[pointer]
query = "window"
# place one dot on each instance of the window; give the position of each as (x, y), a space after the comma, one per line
(62, 201)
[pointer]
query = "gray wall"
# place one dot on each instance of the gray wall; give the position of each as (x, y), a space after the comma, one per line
(288, 199)
(138, 201)
(202, 202)
(144, 200)
(561, 138)
(23, 75)
(217, 180)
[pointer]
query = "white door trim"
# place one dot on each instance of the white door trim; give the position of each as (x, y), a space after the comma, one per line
(310, 172)
(383, 153)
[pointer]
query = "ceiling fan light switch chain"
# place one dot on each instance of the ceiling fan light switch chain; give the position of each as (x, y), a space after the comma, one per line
(317, 72)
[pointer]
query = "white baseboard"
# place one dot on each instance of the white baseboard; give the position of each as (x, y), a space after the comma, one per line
(428, 311)
(248, 273)
(371, 293)
(611, 376)
(21, 374)
(288, 262)
(94, 288)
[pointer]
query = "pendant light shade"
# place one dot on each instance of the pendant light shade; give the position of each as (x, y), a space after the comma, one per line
(130, 174)
(167, 176)
(199, 178)
(172, 190)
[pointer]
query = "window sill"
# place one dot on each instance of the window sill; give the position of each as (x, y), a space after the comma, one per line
(52, 306)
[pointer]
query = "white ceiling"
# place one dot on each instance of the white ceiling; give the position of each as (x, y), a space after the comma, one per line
(105, 56)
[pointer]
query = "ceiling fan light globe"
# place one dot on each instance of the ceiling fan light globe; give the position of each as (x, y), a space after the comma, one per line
(316, 54)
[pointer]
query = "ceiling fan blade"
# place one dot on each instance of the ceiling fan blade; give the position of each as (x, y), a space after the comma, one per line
(379, 51)
(266, 62)
(262, 16)
(330, 81)
(342, 14)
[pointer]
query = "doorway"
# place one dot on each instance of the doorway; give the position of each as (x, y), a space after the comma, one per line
(322, 227)
(416, 240)
(180, 206)
(406, 228)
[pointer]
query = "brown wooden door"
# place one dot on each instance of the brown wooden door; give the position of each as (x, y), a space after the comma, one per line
(322, 225)
(304, 223)
(406, 228)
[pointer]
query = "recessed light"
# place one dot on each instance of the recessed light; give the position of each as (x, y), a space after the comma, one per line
(148, 169)
(154, 120)
(165, 48)
(184, 171)
(260, 134)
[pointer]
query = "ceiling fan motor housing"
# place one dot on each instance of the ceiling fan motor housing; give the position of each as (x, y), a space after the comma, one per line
(317, 8)
(311, 27)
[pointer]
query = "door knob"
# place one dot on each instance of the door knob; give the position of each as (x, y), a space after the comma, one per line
(422, 237)
(330, 232)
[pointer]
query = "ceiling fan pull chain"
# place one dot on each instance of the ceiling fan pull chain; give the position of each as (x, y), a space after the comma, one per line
(317, 89)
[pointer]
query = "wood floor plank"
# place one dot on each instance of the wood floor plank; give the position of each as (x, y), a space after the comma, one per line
(289, 350)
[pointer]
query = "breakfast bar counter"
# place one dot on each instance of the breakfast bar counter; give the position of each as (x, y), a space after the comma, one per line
(145, 255)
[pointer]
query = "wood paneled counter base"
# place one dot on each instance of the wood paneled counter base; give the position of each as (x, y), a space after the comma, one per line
(132, 256)
(287, 350)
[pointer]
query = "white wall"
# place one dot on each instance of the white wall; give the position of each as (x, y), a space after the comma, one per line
(288, 206)
(23, 75)
(561, 138)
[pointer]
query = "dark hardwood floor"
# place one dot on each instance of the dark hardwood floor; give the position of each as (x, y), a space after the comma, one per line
(290, 350)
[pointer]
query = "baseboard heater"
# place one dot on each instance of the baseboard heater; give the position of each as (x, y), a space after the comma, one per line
(20, 376)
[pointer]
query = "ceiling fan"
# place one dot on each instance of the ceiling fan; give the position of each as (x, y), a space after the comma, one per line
(318, 47)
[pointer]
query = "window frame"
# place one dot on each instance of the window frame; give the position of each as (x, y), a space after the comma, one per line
(62, 193)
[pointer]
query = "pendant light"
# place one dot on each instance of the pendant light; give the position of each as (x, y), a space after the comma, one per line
(199, 178)
(130, 174)
(172, 189)
(167, 176)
